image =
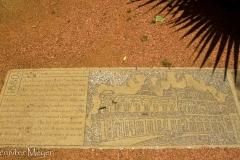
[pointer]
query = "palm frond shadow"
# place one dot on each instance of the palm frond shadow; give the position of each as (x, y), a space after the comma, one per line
(213, 21)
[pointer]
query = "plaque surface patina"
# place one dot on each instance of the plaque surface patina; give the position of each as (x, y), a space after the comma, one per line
(119, 108)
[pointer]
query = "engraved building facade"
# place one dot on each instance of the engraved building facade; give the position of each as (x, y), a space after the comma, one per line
(178, 112)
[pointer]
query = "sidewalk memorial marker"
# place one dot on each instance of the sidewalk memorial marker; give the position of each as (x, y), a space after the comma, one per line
(118, 108)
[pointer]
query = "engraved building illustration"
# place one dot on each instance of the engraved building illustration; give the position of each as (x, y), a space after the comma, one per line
(178, 112)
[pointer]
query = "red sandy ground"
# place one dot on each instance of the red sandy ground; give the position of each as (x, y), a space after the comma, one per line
(98, 33)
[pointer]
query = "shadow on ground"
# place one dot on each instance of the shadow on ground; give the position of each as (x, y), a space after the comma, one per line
(213, 21)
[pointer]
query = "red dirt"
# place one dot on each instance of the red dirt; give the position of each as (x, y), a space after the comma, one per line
(99, 33)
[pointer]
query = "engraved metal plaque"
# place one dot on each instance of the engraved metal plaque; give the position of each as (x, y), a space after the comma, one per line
(119, 108)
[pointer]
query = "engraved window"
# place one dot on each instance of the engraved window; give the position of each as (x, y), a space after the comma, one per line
(170, 108)
(137, 106)
(195, 107)
(164, 108)
(208, 127)
(216, 108)
(146, 107)
(108, 129)
(223, 109)
(150, 127)
(220, 128)
(155, 106)
(200, 126)
(185, 127)
(165, 124)
(188, 107)
(210, 108)
(118, 129)
(228, 124)
(181, 106)
(202, 108)
(139, 127)
(181, 95)
(192, 95)
(131, 128)
(127, 129)
(176, 125)
(197, 95)
(214, 127)
(160, 108)
(118, 107)
(179, 125)
(127, 106)
(192, 126)
(159, 126)
(173, 125)
(175, 108)
(202, 95)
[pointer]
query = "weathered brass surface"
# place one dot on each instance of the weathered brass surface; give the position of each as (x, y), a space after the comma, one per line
(119, 108)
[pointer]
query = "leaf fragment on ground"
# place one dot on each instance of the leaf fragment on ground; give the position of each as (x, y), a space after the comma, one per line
(159, 19)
